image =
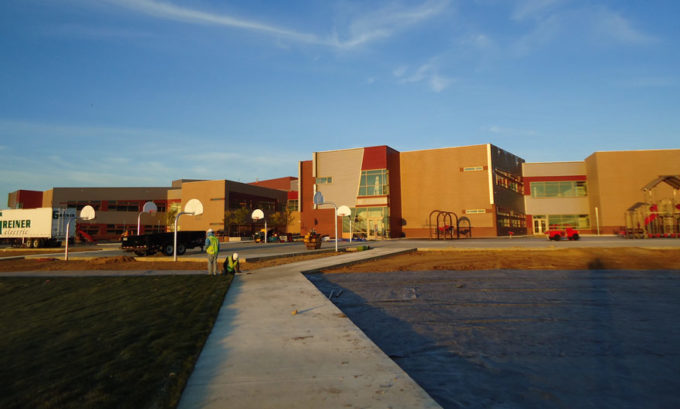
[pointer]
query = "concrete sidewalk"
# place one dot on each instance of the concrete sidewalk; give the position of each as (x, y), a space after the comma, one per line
(279, 343)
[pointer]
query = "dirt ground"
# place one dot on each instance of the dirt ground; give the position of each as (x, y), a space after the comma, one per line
(519, 259)
(12, 252)
(525, 259)
(127, 263)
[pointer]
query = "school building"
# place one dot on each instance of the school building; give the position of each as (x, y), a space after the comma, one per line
(478, 191)
(456, 192)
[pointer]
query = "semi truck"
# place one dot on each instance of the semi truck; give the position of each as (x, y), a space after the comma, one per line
(42, 227)
(148, 244)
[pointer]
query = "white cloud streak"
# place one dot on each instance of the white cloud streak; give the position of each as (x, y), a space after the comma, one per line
(427, 73)
(369, 27)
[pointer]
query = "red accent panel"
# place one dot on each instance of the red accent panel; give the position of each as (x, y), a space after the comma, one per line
(375, 157)
(293, 195)
(29, 199)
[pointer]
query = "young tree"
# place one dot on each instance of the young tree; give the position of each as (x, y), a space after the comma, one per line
(236, 217)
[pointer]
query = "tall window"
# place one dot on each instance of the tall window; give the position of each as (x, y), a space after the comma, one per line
(559, 189)
(374, 183)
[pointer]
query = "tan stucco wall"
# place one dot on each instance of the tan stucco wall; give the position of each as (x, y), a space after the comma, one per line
(432, 180)
(558, 205)
(211, 194)
(553, 169)
(345, 168)
(615, 180)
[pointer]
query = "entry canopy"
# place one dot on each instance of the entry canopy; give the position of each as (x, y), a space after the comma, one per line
(150, 207)
(194, 206)
(87, 213)
(318, 198)
(344, 211)
(257, 214)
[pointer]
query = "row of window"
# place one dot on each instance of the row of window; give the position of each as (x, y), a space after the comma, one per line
(580, 221)
(371, 182)
(114, 205)
(559, 189)
(369, 221)
(509, 181)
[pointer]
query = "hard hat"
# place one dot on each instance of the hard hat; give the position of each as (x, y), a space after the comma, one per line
(235, 256)
(210, 230)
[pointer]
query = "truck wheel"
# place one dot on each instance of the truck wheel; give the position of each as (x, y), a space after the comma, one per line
(36, 243)
(168, 249)
(557, 237)
(181, 249)
(575, 236)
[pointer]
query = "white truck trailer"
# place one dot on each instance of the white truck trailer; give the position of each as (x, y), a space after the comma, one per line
(43, 227)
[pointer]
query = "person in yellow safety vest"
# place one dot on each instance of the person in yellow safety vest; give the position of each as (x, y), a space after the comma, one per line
(232, 265)
(212, 247)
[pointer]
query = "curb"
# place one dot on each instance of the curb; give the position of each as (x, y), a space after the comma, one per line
(349, 263)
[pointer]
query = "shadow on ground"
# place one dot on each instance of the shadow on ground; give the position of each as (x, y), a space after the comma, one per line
(529, 339)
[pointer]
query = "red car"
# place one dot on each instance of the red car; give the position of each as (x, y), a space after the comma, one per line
(557, 234)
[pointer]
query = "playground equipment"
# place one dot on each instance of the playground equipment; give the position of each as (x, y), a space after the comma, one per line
(655, 218)
(445, 228)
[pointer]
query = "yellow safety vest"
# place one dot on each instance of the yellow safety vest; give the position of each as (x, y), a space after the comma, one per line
(212, 248)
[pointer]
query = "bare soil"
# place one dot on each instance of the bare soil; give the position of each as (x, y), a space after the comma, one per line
(127, 263)
(12, 252)
(524, 259)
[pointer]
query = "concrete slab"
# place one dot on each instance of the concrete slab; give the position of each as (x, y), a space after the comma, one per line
(279, 343)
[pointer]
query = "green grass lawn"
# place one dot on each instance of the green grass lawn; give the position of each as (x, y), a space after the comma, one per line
(102, 342)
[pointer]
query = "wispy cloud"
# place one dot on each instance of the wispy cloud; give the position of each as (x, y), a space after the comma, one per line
(427, 73)
(559, 20)
(613, 26)
(525, 9)
(385, 22)
(369, 27)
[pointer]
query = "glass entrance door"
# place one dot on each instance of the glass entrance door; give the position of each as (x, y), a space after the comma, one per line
(375, 229)
(540, 224)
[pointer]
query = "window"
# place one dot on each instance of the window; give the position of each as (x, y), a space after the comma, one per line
(123, 206)
(324, 180)
(510, 218)
(473, 169)
(292, 205)
(508, 180)
(559, 189)
(580, 221)
(374, 183)
(368, 220)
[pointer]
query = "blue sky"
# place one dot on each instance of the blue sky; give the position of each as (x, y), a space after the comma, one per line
(141, 92)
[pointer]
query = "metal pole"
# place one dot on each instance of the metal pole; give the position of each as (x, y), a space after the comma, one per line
(68, 230)
(597, 220)
(139, 221)
(174, 246)
(265, 231)
(350, 228)
(335, 212)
